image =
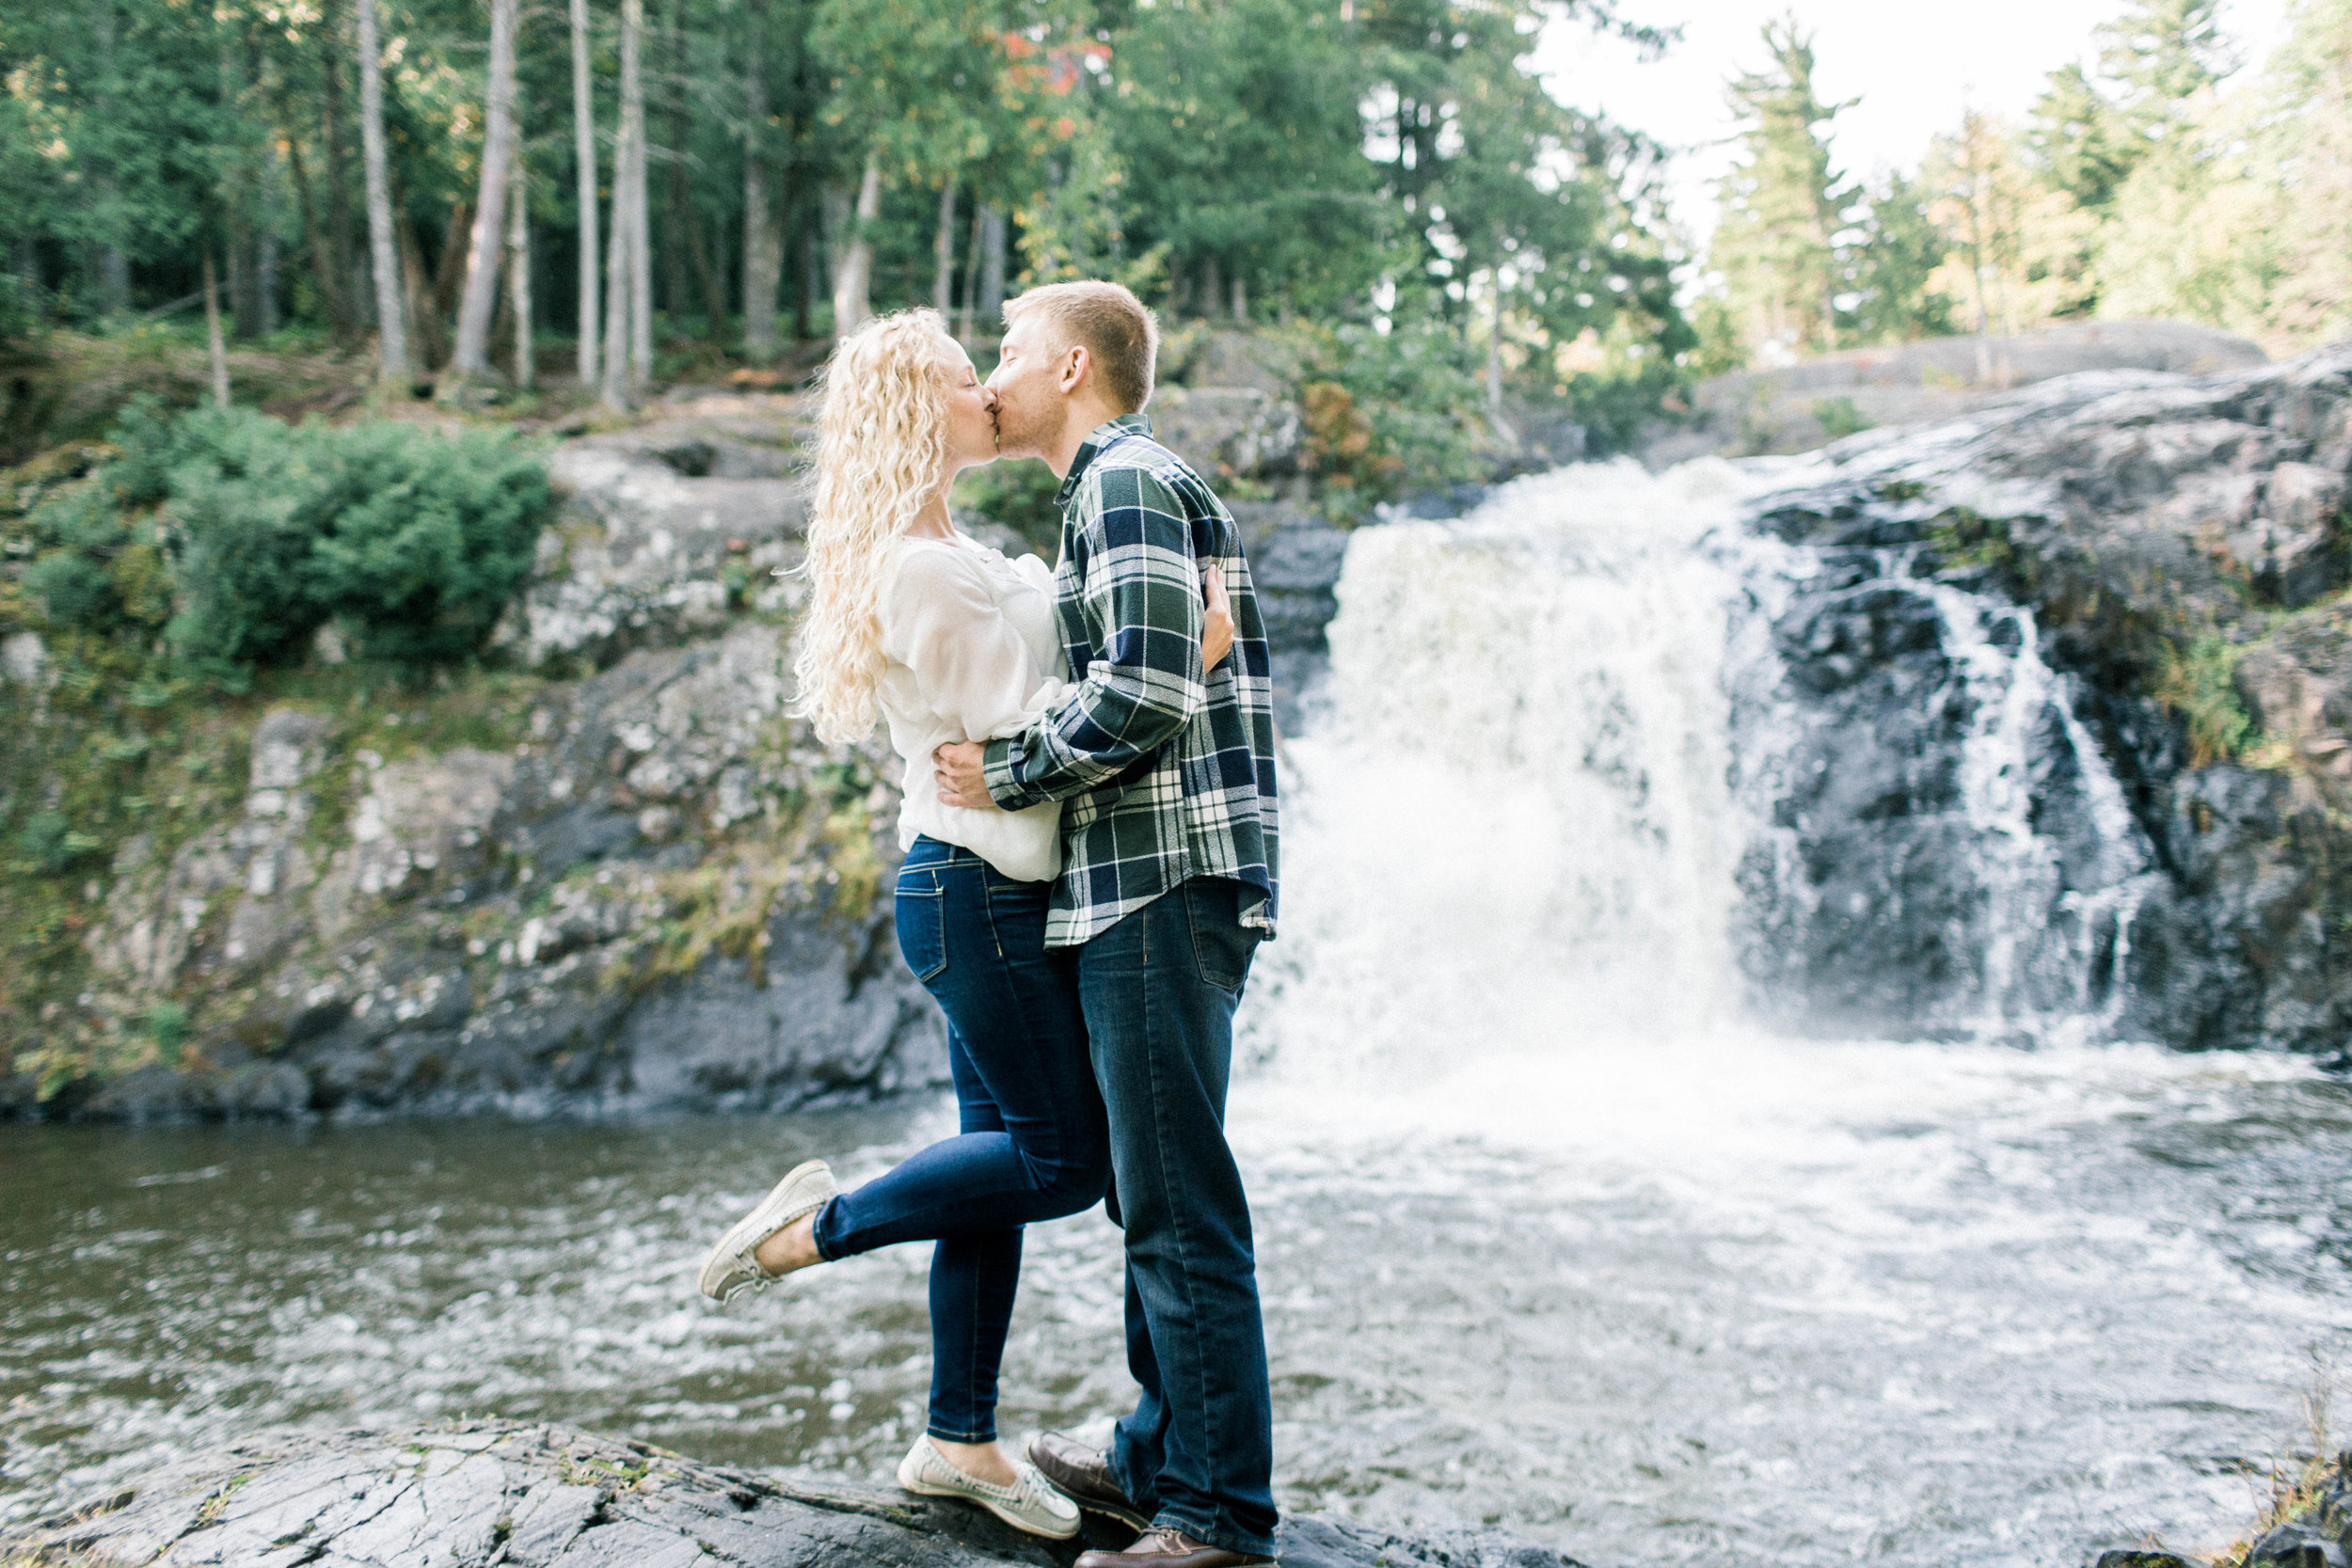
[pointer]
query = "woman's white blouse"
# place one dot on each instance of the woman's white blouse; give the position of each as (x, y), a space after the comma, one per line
(971, 653)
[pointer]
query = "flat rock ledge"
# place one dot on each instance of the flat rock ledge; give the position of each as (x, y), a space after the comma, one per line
(474, 1494)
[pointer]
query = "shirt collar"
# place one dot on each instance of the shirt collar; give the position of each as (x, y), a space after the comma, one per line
(1100, 437)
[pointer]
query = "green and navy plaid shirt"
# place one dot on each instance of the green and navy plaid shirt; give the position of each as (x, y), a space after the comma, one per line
(1167, 773)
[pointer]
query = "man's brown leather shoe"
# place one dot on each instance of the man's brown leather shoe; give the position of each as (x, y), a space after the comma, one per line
(1169, 1549)
(1084, 1476)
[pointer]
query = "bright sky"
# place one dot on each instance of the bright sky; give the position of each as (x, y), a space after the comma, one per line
(1914, 67)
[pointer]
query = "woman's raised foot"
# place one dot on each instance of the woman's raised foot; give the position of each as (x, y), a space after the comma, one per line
(734, 1264)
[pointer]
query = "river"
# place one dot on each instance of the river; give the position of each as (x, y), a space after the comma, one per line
(1550, 1235)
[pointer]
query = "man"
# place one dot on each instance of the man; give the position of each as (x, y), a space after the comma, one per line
(1168, 885)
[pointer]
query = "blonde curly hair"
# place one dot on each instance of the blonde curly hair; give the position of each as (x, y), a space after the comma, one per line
(882, 441)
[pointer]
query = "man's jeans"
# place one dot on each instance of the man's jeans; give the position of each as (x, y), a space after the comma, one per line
(1159, 989)
(1032, 1143)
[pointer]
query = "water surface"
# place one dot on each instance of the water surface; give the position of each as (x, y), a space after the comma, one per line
(1747, 1301)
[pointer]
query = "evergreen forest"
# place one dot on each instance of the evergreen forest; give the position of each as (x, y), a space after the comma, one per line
(2159, 174)
(489, 192)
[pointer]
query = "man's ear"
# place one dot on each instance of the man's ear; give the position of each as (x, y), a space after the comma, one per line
(1075, 363)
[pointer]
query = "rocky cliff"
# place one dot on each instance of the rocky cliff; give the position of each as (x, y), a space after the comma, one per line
(2181, 543)
(610, 873)
(488, 1492)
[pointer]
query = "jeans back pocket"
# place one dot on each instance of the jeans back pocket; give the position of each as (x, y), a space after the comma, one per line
(922, 924)
(1222, 946)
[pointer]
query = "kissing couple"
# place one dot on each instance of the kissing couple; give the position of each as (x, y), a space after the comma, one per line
(1090, 828)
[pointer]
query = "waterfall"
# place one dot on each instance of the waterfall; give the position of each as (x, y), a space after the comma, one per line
(1509, 815)
(1601, 762)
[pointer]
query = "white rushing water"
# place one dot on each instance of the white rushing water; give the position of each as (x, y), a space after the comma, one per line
(1511, 806)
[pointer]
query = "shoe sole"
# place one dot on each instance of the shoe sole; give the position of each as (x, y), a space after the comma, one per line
(755, 1227)
(925, 1489)
(1126, 1516)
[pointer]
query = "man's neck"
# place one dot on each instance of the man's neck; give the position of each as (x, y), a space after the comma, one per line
(1083, 421)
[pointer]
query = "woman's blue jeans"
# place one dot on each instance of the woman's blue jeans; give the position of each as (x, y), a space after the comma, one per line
(1033, 1145)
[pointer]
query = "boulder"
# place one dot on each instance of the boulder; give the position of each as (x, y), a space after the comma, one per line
(481, 1493)
(1801, 406)
(663, 531)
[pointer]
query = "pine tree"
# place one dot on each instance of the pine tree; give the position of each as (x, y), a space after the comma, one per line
(2075, 137)
(1891, 270)
(1775, 238)
(2160, 54)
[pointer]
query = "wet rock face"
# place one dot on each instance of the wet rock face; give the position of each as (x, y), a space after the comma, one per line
(2099, 633)
(658, 898)
(488, 1492)
(1934, 854)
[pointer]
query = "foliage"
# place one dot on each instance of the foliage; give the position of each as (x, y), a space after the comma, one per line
(1893, 291)
(1389, 412)
(236, 536)
(2137, 186)
(2020, 250)
(2199, 684)
(1776, 246)
(1019, 495)
(1840, 417)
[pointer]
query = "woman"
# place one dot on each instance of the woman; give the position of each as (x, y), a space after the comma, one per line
(949, 640)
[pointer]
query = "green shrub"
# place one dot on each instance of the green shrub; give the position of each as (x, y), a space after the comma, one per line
(246, 501)
(1840, 417)
(93, 568)
(428, 538)
(239, 535)
(1392, 411)
(49, 846)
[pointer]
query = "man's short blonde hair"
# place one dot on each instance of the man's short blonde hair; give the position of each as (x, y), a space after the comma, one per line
(1119, 332)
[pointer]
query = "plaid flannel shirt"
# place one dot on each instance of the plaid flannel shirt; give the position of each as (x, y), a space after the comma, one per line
(1167, 773)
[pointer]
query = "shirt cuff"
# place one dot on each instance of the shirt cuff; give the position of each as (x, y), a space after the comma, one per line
(1003, 784)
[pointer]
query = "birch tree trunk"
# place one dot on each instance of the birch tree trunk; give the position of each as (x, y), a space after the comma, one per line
(474, 307)
(621, 264)
(991, 266)
(850, 308)
(518, 269)
(1494, 343)
(943, 254)
(584, 154)
(214, 343)
(972, 270)
(383, 247)
(763, 235)
(617, 291)
(640, 237)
